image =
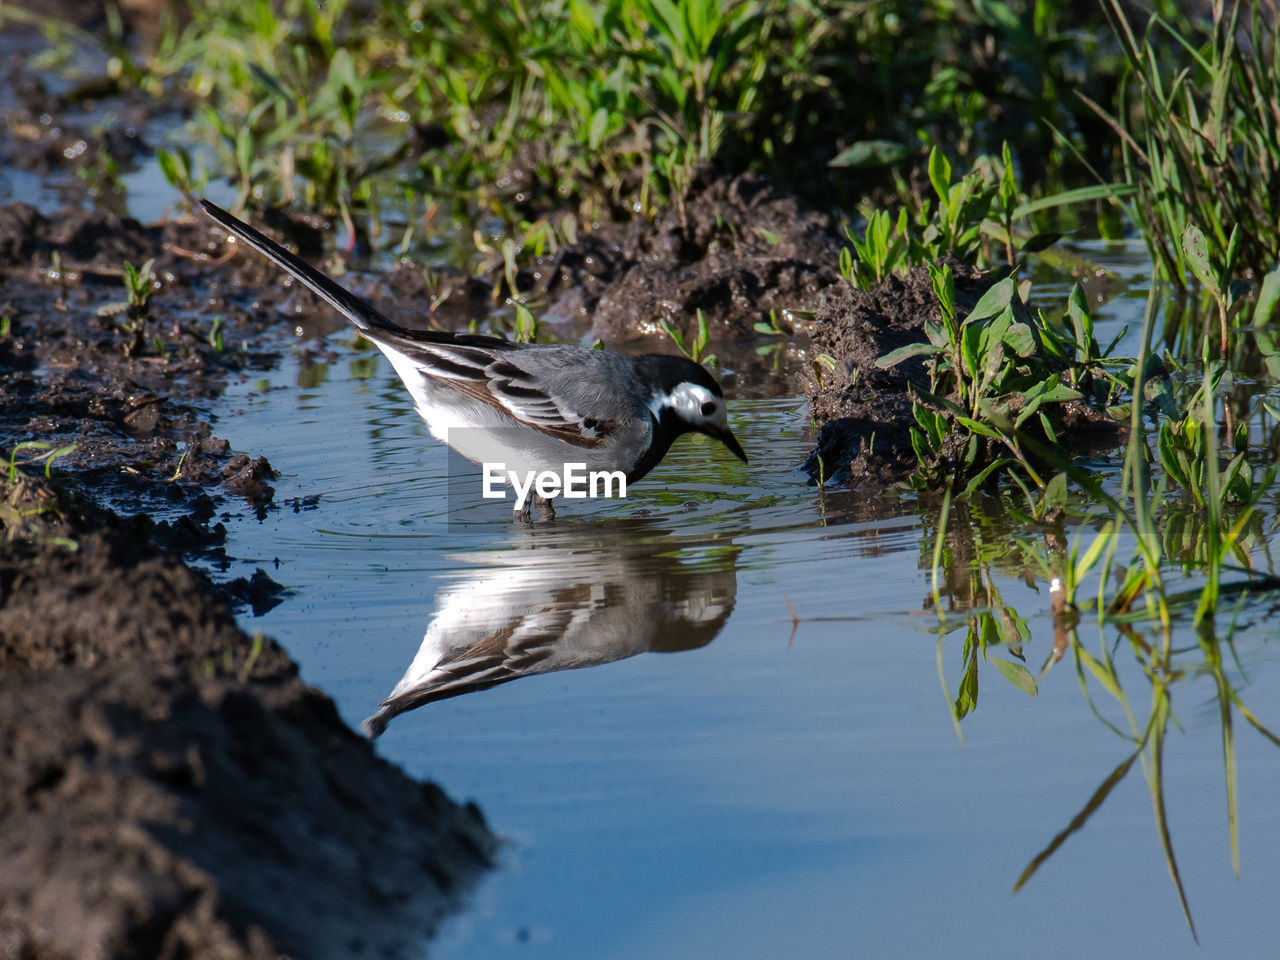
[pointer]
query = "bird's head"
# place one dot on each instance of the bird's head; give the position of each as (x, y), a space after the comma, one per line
(690, 396)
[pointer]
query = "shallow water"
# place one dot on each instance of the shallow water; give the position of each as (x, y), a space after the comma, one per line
(716, 778)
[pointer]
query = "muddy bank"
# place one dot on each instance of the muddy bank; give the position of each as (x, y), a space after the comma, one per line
(169, 787)
(737, 249)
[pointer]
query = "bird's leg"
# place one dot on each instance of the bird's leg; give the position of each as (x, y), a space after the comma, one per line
(545, 509)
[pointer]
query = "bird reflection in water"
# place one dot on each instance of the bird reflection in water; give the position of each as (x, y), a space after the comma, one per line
(561, 599)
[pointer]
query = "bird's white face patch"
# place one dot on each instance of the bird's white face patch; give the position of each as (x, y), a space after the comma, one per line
(694, 404)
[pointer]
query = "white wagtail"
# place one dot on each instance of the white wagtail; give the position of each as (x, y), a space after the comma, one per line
(544, 606)
(534, 406)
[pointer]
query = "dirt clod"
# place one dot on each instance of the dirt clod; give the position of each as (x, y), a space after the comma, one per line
(866, 411)
(244, 476)
(159, 812)
(169, 784)
(737, 249)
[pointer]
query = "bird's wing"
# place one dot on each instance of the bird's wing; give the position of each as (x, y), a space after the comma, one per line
(521, 647)
(488, 370)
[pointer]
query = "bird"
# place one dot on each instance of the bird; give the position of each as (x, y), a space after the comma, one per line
(532, 407)
(561, 604)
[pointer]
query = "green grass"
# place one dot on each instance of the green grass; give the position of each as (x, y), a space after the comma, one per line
(523, 108)
(1199, 138)
(51, 454)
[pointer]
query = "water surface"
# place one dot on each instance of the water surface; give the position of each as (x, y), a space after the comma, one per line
(735, 781)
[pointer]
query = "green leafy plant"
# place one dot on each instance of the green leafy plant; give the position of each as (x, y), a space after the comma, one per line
(139, 285)
(47, 458)
(216, 334)
(990, 387)
(1228, 294)
(882, 250)
(966, 220)
(1142, 610)
(180, 170)
(526, 326)
(822, 364)
(695, 351)
(774, 328)
(961, 208)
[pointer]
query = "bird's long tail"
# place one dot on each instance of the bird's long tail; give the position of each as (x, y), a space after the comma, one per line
(345, 302)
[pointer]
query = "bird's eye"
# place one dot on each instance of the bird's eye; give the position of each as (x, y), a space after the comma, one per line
(708, 408)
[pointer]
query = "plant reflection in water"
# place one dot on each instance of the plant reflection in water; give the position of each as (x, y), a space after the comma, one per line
(1140, 611)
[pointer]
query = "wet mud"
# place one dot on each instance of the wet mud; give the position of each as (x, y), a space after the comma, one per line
(171, 788)
(865, 411)
(168, 785)
(738, 249)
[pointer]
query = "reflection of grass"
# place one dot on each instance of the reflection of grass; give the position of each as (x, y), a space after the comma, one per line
(1163, 672)
(992, 624)
(1145, 600)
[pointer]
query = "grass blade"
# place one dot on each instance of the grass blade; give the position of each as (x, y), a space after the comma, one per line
(1079, 820)
(1161, 715)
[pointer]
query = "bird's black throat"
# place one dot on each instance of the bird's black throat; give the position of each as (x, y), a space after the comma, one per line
(666, 428)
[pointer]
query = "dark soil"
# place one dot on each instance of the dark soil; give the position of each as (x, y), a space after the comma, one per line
(737, 250)
(741, 250)
(171, 788)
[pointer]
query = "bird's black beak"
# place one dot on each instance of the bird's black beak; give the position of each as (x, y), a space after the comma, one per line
(730, 441)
